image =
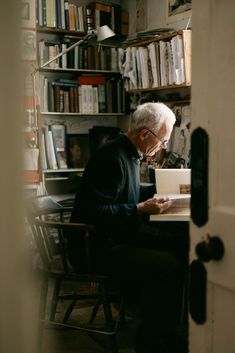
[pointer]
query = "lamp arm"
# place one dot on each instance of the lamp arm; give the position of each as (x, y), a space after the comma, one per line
(88, 36)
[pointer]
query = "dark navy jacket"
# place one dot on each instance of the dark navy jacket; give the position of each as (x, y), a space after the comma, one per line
(109, 192)
(110, 188)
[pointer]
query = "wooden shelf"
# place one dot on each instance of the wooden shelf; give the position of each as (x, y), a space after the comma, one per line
(183, 101)
(80, 114)
(61, 70)
(67, 170)
(156, 38)
(140, 90)
(60, 31)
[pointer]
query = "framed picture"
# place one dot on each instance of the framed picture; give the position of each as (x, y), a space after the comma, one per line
(28, 45)
(28, 13)
(177, 10)
(78, 150)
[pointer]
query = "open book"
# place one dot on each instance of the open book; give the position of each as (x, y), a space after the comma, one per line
(179, 200)
(179, 211)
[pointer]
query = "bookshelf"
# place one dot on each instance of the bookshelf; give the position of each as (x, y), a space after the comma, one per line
(83, 88)
(159, 63)
(159, 69)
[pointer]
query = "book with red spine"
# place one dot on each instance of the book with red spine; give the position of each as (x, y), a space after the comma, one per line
(91, 80)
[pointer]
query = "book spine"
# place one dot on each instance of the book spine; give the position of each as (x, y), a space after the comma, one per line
(62, 14)
(44, 159)
(45, 94)
(44, 13)
(89, 20)
(53, 155)
(66, 101)
(109, 96)
(51, 106)
(71, 100)
(71, 18)
(77, 26)
(53, 13)
(40, 13)
(64, 57)
(66, 11)
(91, 80)
(57, 98)
(81, 18)
(187, 47)
(95, 100)
(75, 96)
(114, 61)
(61, 101)
(48, 13)
(58, 14)
(80, 99)
(101, 98)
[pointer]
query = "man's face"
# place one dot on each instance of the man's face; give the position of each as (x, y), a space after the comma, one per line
(151, 142)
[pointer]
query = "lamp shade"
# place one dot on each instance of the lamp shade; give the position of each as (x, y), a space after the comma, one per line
(104, 32)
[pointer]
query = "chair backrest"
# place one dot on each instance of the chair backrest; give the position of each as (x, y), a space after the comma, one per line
(50, 230)
(40, 204)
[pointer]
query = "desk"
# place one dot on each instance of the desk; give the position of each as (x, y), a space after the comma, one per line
(172, 214)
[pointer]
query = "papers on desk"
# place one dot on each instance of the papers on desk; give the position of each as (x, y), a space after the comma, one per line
(179, 211)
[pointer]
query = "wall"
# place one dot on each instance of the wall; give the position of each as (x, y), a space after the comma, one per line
(155, 15)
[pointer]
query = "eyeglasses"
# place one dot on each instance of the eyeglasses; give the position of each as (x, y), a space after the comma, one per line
(163, 143)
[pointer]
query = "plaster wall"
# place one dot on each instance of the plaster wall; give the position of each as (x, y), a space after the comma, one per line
(155, 12)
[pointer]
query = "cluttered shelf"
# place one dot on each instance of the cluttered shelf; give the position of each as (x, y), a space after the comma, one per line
(162, 62)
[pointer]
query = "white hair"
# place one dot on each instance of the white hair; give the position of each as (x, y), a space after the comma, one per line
(151, 116)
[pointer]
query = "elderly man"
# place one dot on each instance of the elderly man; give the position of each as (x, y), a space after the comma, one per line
(112, 199)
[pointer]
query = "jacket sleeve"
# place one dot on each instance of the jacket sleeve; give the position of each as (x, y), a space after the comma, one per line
(147, 192)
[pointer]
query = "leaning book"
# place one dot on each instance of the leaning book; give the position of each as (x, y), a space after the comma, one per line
(59, 141)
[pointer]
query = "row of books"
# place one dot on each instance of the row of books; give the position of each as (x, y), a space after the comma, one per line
(53, 147)
(87, 95)
(90, 57)
(160, 63)
(64, 14)
(61, 14)
(60, 150)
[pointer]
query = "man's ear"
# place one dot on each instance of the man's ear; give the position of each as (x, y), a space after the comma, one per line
(143, 133)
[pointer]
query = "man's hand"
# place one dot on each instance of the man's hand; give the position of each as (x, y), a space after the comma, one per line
(154, 205)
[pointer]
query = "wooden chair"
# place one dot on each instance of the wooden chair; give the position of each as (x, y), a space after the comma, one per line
(50, 228)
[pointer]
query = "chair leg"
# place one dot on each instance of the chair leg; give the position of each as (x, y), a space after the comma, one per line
(55, 299)
(42, 312)
(110, 323)
(69, 311)
(113, 344)
(123, 315)
(95, 310)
